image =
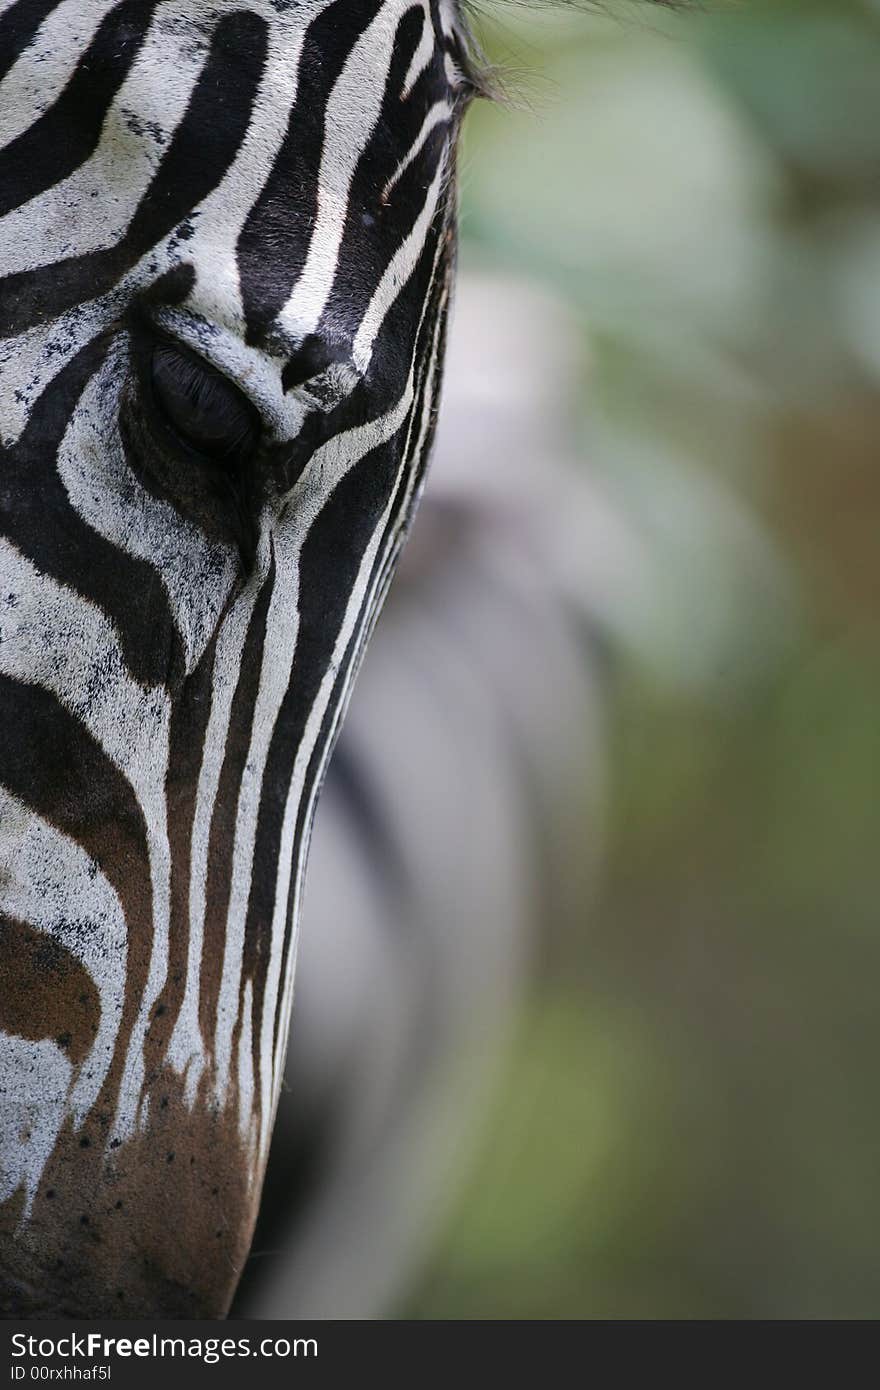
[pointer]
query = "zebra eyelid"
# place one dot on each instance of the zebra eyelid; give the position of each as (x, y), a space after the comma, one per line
(147, 341)
(255, 371)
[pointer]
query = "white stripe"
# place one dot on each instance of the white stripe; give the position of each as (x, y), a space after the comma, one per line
(186, 1050)
(278, 652)
(34, 1086)
(421, 58)
(221, 217)
(351, 115)
(39, 75)
(196, 573)
(50, 882)
(449, 19)
(441, 111)
(246, 1064)
(128, 1114)
(397, 274)
(52, 637)
(146, 110)
(31, 360)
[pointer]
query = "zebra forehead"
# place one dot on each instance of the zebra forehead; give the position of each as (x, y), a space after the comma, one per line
(286, 129)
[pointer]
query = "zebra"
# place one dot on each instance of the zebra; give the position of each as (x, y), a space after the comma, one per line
(227, 243)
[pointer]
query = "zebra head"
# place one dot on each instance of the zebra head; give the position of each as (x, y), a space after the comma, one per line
(226, 237)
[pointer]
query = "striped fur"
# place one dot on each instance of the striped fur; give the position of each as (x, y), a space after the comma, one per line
(269, 186)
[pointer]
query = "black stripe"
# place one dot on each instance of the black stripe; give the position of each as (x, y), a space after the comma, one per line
(67, 133)
(221, 840)
(374, 230)
(201, 151)
(305, 816)
(190, 713)
(284, 214)
(39, 519)
(329, 565)
(406, 318)
(18, 28)
(357, 257)
(53, 765)
(360, 799)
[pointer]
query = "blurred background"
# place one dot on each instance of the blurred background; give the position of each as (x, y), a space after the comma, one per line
(687, 1124)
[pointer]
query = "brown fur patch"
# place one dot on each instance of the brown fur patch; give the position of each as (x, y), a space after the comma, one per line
(159, 1227)
(44, 990)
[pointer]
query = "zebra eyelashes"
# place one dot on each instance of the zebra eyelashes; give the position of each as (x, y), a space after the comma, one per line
(193, 438)
(201, 407)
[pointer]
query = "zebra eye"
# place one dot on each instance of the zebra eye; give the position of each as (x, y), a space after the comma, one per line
(203, 408)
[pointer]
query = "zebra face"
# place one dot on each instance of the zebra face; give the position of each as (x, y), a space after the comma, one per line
(226, 233)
